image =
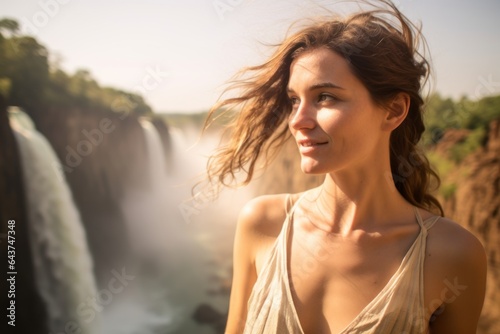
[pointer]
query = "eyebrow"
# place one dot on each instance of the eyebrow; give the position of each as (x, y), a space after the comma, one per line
(319, 86)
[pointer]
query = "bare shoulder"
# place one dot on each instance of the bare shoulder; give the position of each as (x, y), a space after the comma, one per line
(455, 245)
(259, 224)
(264, 215)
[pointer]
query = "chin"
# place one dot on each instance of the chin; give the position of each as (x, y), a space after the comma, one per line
(311, 168)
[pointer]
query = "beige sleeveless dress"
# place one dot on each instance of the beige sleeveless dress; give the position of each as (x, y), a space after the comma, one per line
(397, 309)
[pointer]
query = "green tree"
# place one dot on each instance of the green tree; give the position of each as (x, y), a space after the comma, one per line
(9, 25)
(27, 80)
(24, 63)
(481, 113)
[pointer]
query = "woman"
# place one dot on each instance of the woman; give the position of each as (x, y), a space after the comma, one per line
(363, 252)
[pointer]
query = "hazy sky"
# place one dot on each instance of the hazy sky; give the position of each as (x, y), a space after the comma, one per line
(180, 53)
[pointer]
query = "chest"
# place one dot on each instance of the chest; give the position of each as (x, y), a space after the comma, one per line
(332, 279)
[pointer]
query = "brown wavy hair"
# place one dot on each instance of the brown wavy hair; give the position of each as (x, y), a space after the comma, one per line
(382, 48)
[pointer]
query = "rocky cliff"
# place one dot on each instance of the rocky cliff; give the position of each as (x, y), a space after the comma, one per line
(475, 204)
(103, 156)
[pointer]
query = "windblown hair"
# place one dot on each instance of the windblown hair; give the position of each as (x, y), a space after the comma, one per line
(382, 48)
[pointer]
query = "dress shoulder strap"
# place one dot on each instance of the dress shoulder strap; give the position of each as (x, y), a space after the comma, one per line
(290, 204)
(428, 223)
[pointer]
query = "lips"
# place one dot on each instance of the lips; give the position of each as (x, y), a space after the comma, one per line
(310, 146)
(310, 143)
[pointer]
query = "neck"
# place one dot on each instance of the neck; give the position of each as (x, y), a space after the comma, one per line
(359, 200)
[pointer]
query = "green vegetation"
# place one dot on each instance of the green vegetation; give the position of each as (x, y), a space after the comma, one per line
(448, 190)
(444, 167)
(442, 164)
(468, 146)
(472, 118)
(443, 113)
(29, 81)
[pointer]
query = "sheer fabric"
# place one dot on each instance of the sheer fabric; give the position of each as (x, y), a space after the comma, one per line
(397, 309)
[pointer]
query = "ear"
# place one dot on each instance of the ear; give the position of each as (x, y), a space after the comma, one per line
(396, 111)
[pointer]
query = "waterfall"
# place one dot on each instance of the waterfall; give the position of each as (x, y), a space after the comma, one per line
(174, 238)
(156, 156)
(62, 262)
(176, 264)
(173, 266)
(145, 210)
(145, 308)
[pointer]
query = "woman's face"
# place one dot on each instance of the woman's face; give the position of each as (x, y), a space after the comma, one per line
(334, 121)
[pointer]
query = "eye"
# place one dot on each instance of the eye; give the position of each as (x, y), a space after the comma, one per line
(326, 97)
(294, 101)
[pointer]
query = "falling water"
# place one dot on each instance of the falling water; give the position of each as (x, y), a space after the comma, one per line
(178, 253)
(165, 253)
(62, 262)
(146, 210)
(156, 157)
(175, 267)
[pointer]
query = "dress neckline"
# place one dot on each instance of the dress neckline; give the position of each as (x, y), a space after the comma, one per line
(289, 218)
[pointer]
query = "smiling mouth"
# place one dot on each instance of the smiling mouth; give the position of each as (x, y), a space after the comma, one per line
(311, 144)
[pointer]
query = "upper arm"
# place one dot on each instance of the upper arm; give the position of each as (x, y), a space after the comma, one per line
(244, 273)
(252, 234)
(463, 284)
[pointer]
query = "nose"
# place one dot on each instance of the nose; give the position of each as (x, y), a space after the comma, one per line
(303, 117)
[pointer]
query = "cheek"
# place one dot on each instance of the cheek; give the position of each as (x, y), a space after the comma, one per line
(337, 124)
(352, 132)
(288, 121)
(356, 118)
